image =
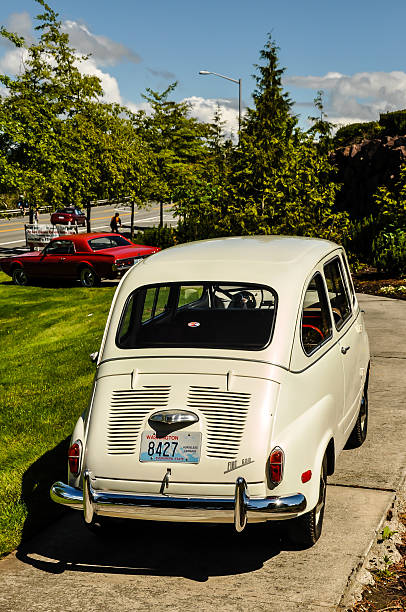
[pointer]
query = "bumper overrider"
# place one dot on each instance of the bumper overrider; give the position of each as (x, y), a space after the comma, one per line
(169, 508)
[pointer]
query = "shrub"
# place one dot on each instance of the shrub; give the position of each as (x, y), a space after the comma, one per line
(393, 123)
(355, 132)
(362, 233)
(162, 237)
(389, 252)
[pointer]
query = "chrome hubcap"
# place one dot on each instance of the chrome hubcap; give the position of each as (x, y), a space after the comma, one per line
(87, 277)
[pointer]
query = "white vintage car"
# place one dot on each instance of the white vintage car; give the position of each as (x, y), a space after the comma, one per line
(231, 375)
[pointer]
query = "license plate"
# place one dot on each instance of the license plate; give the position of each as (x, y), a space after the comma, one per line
(178, 447)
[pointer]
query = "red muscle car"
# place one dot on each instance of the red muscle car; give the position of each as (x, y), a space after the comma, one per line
(86, 257)
(69, 215)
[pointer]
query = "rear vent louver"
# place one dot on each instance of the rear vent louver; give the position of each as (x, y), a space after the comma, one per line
(225, 413)
(128, 410)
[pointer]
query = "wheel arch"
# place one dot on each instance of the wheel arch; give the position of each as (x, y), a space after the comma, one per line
(85, 264)
(15, 265)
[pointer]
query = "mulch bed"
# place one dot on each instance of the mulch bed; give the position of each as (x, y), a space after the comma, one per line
(376, 283)
(389, 591)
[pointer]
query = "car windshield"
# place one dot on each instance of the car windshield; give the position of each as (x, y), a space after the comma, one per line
(108, 242)
(200, 314)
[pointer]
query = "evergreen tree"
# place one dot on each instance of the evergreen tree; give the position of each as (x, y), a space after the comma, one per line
(321, 128)
(279, 182)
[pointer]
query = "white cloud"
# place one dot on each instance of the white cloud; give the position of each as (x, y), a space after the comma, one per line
(21, 24)
(359, 97)
(12, 62)
(204, 109)
(164, 74)
(104, 51)
(108, 82)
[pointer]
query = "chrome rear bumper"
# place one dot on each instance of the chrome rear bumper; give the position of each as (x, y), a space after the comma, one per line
(235, 509)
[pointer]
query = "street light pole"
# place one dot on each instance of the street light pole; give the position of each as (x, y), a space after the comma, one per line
(238, 81)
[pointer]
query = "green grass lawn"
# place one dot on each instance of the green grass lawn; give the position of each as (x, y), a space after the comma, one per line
(47, 334)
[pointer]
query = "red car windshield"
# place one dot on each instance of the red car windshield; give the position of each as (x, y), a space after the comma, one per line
(108, 242)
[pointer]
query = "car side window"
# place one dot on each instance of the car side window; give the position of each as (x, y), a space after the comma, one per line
(349, 280)
(97, 244)
(316, 325)
(337, 292)
(60, 247)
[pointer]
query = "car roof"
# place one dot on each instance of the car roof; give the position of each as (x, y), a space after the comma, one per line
(86, 236)
(283, 251)
(281, 262)
(284, 263)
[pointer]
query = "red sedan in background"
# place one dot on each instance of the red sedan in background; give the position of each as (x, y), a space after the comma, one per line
(69, 215)
(86, 257)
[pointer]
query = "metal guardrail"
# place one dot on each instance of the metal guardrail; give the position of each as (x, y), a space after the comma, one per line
(19, 212)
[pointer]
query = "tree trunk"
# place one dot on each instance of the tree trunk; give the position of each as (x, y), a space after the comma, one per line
(132, 219)
(161, 214)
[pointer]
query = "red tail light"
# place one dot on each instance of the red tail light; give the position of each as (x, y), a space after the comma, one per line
(276, 461)
(74, 456)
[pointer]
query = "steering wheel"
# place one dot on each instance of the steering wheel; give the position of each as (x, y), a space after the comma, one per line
(243, 300)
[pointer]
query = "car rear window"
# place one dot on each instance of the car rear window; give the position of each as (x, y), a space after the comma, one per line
(199, 314)
(107, 242)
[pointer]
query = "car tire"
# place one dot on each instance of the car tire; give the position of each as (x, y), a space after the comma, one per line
(360, 430)
(305, 530)
(88, 277)
(19, 276)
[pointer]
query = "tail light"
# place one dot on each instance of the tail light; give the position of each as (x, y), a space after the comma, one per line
(74, 456)
(276, 462)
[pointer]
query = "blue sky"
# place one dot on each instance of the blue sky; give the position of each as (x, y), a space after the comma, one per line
(353, 50)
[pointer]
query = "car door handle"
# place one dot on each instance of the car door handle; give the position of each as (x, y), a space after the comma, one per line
(345, 349)
(62, 258)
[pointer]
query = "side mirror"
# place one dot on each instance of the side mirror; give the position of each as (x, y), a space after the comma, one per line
(94, 356)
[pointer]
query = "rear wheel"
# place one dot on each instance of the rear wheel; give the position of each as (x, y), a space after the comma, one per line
(88, 277)
(305, 530)
(359, 433)
(20, 277)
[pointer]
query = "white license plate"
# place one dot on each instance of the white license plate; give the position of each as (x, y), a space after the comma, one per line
(177, 447)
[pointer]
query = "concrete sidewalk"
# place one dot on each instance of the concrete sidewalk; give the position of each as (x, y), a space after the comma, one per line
(184, 567)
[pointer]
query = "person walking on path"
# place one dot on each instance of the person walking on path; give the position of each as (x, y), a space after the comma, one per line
(115, 223)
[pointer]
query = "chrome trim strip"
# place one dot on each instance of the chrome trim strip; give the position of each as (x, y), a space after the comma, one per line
(164, 507)
(193, 357)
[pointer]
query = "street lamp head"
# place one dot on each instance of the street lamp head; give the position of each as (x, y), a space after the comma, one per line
(204, 72)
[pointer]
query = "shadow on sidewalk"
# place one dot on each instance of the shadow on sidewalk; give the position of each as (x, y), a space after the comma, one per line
(145, 548)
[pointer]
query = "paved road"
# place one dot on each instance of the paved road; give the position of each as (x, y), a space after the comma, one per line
(173, 567)
(12, 230)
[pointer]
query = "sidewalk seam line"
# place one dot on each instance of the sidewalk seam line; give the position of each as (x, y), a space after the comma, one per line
(349, 486)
